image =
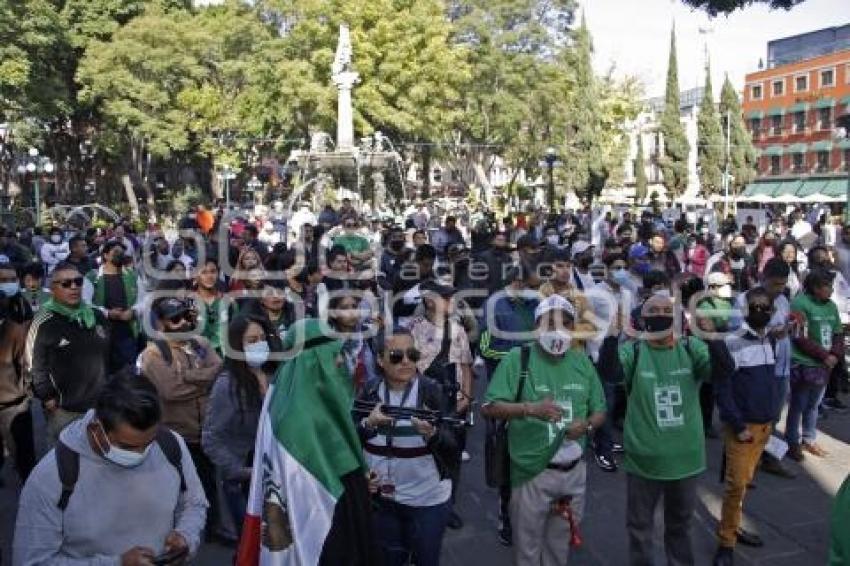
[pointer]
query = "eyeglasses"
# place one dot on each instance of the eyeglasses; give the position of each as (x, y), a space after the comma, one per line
(396, 356)
(68, 283)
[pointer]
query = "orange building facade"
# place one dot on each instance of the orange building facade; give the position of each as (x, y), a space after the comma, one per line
(790, 111)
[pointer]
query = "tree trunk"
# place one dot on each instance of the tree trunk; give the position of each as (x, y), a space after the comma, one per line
(127, 181)
(426, 170)
(215, 184)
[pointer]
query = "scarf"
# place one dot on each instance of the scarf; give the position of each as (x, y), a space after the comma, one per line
(83, 314)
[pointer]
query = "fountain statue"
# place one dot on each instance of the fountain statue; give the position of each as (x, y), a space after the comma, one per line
(374, 152)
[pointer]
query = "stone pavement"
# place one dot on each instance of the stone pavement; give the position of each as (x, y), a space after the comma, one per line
(791, 515)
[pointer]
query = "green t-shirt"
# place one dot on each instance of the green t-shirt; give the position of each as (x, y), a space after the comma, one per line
(213, 323)
(839, 547)
(822, 321)
(663, 435)
(571, 381)
(353, 243)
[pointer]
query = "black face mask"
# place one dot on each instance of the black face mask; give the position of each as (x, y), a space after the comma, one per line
(397, 245)
(584, 262)
(758, 319)
(117, 260)
(658, 323)
(736, 253)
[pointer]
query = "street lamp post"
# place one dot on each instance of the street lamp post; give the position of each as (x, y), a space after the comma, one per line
(227, 174)
(254, 185)
(35, 166)
(550, 158)
(842, 131)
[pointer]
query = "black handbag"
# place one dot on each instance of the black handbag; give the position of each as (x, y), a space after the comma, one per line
(497, 461)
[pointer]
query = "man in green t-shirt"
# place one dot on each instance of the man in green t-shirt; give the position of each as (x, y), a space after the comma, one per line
(816, 351)
(560, 401)
(357, 246)
(663, 432)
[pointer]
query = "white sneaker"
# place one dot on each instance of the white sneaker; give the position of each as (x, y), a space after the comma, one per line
(465, 457)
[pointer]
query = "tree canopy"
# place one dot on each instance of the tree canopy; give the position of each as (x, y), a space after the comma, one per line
(716, 7)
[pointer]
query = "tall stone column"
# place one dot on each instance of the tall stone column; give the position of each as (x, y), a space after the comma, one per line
(345, 81)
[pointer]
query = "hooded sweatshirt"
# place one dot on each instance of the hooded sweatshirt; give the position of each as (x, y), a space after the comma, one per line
(111, 510)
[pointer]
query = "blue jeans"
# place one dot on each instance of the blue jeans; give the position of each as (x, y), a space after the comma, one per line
(237, 502)
(403, 530)
(805, 398)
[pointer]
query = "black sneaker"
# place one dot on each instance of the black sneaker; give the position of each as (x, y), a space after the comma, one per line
(771, 465)
(748, 538)
(835, 405)
(723, 557)
(506, 534)
(455, 522)
(605, 463)
(617, 448)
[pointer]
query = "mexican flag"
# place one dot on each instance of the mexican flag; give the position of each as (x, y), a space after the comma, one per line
(306, 442)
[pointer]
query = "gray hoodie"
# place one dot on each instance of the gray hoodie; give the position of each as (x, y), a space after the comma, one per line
(112, 509)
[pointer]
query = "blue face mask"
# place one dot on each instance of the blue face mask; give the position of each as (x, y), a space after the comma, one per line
(10, 289)
(257, 354)
(620, 276)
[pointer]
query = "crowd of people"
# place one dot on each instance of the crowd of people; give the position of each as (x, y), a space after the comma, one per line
(596, 336)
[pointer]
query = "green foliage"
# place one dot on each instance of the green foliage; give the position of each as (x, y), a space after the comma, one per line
(640, 171)
(674, 162)
(710, 148)
(715, 7)
(742, 153)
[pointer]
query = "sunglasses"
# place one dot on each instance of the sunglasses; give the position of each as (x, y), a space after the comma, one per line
(396, 356)
(178, 318)
(68, 283)
(761, 308)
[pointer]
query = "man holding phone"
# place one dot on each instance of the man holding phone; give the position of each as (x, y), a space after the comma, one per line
(118, 488)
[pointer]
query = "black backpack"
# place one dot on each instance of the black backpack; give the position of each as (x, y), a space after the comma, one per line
(165, 349)
(496, 457)
(68, 463)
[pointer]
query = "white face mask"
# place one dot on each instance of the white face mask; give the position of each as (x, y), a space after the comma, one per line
(725, 292)
(122, 457)
(56, 238)
(555, 342)
(257, 354)
(553, 239)
(10, 289)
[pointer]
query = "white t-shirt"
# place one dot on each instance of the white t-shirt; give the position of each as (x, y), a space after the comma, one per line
(417, 480)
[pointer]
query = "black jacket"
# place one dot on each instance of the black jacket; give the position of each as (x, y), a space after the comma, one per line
(443, 445)
(67, 362)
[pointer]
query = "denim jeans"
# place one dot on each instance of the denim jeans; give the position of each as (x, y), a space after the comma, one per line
(237, 502)
(403, 530)
(805, 398)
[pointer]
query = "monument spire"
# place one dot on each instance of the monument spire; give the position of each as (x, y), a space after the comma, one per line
(344, 77)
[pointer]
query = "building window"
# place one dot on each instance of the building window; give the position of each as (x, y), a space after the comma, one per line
(799, 122)
(801, 83)
(776, 125)
(755, 92)
(823, 161)
(797, 162)
(779, 87)
(437, 175)
(775, 165)
(825, 118)
(827, 78)
(755, 128)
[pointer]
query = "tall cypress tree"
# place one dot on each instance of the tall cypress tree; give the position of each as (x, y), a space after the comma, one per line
(641, 183)
(674, 162)
(583, 168)
(710, 142)
(742, 153)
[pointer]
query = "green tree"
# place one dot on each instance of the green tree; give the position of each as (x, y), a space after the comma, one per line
(640, 171)
(709, 142)
(585, 170)
(513, 102)
(742, 154)
(674, 162)
(715, 7)
(136, 80)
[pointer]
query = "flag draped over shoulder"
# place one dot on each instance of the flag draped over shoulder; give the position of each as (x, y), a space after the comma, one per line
(306, 447)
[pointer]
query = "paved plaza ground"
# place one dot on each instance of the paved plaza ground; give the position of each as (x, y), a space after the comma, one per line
(791, 515)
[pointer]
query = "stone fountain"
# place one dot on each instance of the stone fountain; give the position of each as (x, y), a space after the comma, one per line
(375, 152)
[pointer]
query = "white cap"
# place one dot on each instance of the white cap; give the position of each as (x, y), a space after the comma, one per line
(554, 302)
(579, 247)
(717, 278)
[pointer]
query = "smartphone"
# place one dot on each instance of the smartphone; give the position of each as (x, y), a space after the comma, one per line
(170, 557)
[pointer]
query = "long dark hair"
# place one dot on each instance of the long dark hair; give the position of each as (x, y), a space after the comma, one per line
(245, 387)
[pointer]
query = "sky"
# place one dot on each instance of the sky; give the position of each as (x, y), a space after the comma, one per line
(634, 36)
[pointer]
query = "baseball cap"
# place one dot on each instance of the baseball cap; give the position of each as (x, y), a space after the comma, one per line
(716, 278)
(171, 307)
(554, 302)
(431, 286)
(638, 251)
